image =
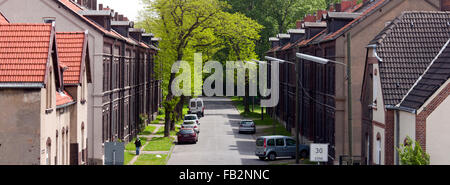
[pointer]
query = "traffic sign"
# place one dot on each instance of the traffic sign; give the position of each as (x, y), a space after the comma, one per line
(318, 152)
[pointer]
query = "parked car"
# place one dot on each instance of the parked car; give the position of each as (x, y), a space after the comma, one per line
(187, 135)
(272, 147)
(192, 117)
(191, 124)
(247, 126)
(196, 106)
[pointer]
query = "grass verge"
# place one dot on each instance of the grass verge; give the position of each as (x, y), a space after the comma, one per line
(159, 144)
(148, 130)
(151, 159)
(128, 156)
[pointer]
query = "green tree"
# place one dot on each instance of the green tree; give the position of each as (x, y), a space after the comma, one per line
(177, 22)
(412, 154)
(238, 34)
(277, 16)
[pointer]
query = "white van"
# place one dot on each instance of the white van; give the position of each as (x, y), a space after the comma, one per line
(196, 106)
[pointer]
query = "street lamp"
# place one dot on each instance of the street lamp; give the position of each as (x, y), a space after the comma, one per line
(349, 79)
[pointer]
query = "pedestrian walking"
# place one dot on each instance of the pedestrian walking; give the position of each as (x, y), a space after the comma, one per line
(138, 145)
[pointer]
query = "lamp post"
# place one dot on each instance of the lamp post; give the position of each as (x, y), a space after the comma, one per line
(324, 61)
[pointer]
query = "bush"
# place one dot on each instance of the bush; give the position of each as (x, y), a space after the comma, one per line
(413, 155)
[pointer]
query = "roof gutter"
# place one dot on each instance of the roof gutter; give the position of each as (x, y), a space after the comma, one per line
(374, 47)
(65, 105)
(22, 85)
(401, 108)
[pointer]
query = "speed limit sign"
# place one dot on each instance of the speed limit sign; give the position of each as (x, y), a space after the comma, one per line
(318, 152)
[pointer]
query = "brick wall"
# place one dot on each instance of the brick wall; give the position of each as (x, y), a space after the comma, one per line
(389, 138)
(421, 118)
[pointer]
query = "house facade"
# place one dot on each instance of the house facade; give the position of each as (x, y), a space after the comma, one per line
(30, 79)
(405, 86)
(123, 86)
(323, 88)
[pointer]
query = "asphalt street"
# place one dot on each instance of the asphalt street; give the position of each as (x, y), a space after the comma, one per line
(219, 141)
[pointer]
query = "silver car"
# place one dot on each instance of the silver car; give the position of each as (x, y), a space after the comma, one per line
(247, 126)
(192, 117)
(278, 146)
(191, 124)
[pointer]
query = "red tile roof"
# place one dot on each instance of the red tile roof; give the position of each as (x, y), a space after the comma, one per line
(63, 98)
(24, 52)
(70, 53)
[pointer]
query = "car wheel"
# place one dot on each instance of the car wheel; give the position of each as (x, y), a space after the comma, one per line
(303, 154)
(272, 156)
(262, 158)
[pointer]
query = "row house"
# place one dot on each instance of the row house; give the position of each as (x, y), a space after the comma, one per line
(406, 87)
(44, 113)
(323, 114)
(122, 61)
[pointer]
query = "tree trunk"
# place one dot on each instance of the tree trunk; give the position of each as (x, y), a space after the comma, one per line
(178, 112)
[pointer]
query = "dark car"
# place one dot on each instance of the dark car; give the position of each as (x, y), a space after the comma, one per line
(187, 135)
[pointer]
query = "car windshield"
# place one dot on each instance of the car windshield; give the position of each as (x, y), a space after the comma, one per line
(199, 104)
(247, 123)
(193, 104)
(188, 123)
(190, 118)
(260, 142)
(186, 131)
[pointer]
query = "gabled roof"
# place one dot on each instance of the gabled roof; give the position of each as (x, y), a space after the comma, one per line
(63, 98)
(71, 48)
(434, 77)
(406, 48)
(24, 52)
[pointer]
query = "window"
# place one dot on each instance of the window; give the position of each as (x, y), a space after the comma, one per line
(48, 151)
(49, 90)
(270, 142)
(290, 142)
(280, 142)
(56, 156)
(378, 150)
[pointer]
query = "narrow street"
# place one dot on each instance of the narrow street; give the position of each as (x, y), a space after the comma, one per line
(219, 142)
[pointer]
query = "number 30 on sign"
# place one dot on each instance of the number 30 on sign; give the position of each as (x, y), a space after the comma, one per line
(318, 152)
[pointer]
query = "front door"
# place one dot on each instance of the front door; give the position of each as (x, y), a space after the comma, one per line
(281, 148)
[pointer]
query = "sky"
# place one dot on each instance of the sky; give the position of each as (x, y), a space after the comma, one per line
(128, 8)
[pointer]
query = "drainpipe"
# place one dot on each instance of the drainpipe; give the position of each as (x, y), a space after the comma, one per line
(397, 137)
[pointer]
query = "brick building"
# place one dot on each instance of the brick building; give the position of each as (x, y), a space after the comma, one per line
(406, 86)
(323, 96)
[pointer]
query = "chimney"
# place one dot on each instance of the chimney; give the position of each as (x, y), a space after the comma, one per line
(116, 16)
(445, 5)
(299, 24)
(136, 33)
(284, 38)
(100, 7)
(309, 18)
(147, 38)
(155, 41)
(122, 27)
(346, 5)
(274, 42)
(296, 34)
(94, 5)
(101, 17)
(120, 18)
(80, 2)
(337, 7)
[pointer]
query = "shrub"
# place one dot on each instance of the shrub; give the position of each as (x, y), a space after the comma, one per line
(412, 154)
